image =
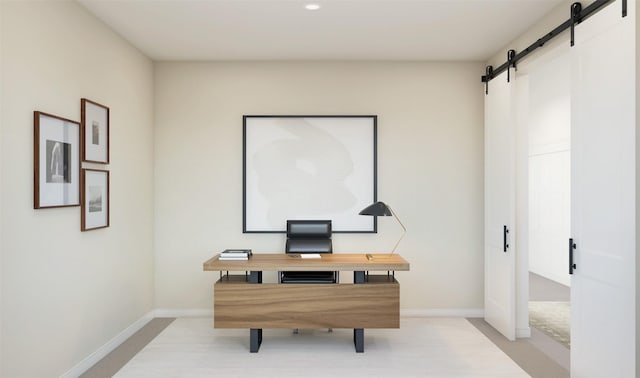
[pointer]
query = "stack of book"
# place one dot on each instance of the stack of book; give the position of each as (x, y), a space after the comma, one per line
(235, 254)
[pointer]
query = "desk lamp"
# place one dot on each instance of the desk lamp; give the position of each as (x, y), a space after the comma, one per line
(381, 209)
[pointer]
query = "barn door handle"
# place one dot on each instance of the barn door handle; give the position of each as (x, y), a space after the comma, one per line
(572, 247)
(505, 231)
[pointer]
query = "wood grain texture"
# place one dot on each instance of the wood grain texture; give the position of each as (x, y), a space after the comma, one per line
(239, 304)
(328, 262)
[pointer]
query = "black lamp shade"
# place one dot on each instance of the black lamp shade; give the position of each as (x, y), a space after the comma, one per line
(377, 209)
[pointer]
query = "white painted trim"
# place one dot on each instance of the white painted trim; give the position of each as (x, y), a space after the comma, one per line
(183, 312)
(107, 348)
(443, 312)
(523, 332)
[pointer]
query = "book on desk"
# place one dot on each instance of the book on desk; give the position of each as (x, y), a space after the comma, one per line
(235, 254)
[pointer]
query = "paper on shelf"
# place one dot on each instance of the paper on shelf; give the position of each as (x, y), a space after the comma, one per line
(310, 256)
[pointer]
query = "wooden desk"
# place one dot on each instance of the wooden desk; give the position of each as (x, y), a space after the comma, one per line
(372, 301)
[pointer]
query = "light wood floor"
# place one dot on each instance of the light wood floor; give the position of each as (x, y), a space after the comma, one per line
(115, 360)
(543, 289)
(539, 355)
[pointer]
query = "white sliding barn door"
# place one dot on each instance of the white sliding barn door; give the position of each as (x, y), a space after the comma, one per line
(499, 200)
(603, 189)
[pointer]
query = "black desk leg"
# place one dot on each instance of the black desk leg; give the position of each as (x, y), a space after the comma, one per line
(255, 334)
(358, 339)
(255, 339)
(358, 333)
(255, 277)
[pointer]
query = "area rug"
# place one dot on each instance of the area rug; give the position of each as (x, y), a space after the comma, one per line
(421, 347)
(552, 318)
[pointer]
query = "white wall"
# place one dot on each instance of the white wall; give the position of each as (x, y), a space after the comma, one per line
(549, 22)
(65, 293)
(430, 160)
(1, 175)
(637, 194)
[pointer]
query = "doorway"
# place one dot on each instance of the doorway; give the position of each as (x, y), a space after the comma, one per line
(604, 196)
(546, 86)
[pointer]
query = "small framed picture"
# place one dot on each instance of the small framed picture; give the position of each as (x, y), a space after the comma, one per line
(56, 163)
(95, 199)
(95, 132)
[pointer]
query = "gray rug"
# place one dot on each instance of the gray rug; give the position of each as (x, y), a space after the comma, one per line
(552, 318)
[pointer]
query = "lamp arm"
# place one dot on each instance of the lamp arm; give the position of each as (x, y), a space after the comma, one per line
(404, 230)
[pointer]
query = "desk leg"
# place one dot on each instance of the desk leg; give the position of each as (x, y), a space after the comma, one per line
(358, 333)
(358, 339)
(255, 339)
(255, 277)
(255, 334)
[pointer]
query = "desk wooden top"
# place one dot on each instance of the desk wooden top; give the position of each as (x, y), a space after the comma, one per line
(328, 262)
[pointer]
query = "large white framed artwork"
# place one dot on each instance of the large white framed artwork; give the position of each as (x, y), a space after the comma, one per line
(309, 167)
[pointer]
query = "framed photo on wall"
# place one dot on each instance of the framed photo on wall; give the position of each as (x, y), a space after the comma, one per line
(95, 132)
(56, 171)
(308, 167)
(95, 199)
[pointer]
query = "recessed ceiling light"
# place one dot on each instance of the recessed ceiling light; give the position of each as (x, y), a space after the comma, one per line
(312, 6)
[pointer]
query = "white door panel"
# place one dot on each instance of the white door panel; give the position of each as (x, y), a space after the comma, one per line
(603, 195)
(500, 128)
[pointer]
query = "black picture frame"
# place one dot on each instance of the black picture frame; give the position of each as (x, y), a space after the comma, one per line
(56, 161)
(95, 199)
(94, 132)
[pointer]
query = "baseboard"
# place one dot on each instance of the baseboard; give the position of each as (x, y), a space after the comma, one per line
(183, 313)
(443, 312)
(523, 332)
(107, 348)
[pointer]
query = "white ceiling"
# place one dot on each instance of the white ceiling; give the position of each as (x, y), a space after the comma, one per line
(445, 30)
